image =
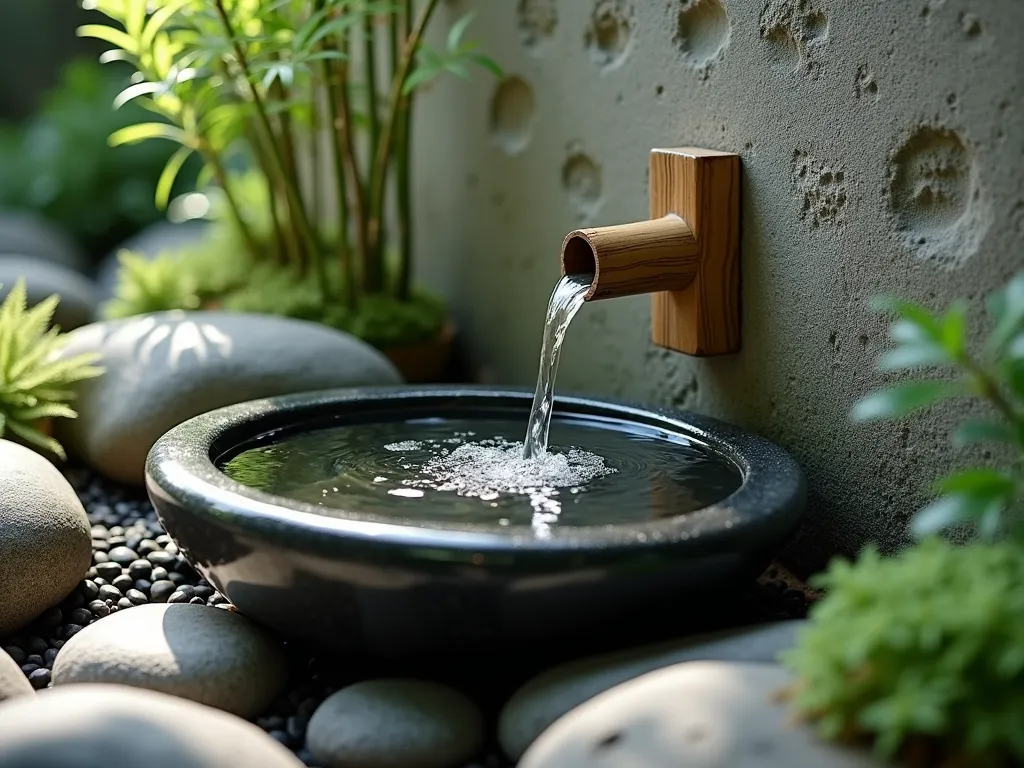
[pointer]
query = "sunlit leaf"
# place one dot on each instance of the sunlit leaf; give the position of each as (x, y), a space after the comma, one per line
(136, 133)
(913, 356)
(457, 30)
(903, 399)
(108, 35)
(167, 177)
(134, 91)
(977, 481)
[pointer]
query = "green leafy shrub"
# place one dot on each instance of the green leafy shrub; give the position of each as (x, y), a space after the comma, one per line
(229, 79)
(60, 164)
(151, 285)
(34, 386)
(989, 498)
(921, 653)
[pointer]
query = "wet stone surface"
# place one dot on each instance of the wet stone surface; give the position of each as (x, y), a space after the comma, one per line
(135, 563)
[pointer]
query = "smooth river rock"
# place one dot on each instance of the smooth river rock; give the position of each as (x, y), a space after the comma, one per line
(12, 680)
(28, 234)
(112, 726)
(545, 698)
(691, 715)
(198, 652)
(166, 367)
(45, 546)
(395, 723)
(43, 279)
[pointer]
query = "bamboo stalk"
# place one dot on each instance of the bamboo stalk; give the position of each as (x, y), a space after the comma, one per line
(372, 268)
(349, 155)
(337, 126)
(295, 204)
(403, 174)
(221, 177)
(378, 173)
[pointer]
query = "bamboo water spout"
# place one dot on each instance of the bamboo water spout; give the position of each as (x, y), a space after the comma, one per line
(686, 255)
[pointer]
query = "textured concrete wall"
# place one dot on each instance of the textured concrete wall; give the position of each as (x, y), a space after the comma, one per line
(883, 150)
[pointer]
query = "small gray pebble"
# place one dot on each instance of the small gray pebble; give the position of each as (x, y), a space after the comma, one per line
(136, 597)
(202, 591)
(146, 546)
(107, 592)
(15, 653)
(140, 569)
(80, 616)
(108, 571)
(161, 590)
(35, 645)
(39, 678)
(197, 601)
(116, 530)
(296, 727)
(58, 644)
(161, 558)
(100, 546)
(187, 590)
(99, 557)
(49, 656)
(218, 599)
(70, 630)
(122, 555)
(124, 602)
(91, 573)
(99, 532)
(178, 597)
(178, 578)
(28, 669)
(51, 618)
(273, 723)
(99, 583)
(90, 589)
(123, 582)
(35, 659)
(159, 574)
(74, 600)
(99, 608)
(143, 585)
(163, 539)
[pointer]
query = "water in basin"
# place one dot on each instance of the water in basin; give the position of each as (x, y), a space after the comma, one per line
(565, 471)
(594, 472)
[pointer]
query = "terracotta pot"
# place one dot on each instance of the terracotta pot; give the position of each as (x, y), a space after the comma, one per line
(425, 362)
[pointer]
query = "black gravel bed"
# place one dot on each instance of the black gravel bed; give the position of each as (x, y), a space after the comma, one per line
(135, 562)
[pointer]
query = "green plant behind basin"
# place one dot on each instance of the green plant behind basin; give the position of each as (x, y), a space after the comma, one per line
(230, 78)
(923, 654)
(34, 386)
(989, 498)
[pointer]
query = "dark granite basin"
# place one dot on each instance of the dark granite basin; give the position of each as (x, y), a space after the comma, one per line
(361, 583)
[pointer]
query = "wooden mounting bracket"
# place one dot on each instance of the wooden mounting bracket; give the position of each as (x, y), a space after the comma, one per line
(702, 186)
(686, 254)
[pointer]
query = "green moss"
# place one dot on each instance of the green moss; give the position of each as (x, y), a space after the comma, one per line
(926, 647)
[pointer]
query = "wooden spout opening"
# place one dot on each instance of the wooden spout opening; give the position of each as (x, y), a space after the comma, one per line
(630, 259)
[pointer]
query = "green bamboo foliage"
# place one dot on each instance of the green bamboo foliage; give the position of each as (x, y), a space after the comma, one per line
(230, 77)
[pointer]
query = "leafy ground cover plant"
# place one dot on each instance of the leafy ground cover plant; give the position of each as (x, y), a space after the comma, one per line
(234, 78)
(34, 386)
(922, 654)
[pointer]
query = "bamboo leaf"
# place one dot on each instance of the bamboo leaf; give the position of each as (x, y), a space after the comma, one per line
(1007, 308)
(902, 399)
(134, 91)
(979, 481)
(913, 356)
(488, 63)
(165, 183)
(142, 131)
(457, 30)
(109, 35)
(972, 432)
(157, 21)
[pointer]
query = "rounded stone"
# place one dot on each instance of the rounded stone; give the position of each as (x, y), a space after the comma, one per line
(196, 652)
(545, 698)
(12, 680)
(28, 234)
(395, 723)
(77, 305)
(166, 367)
(44, 537)
(695, 714)
(113, 726)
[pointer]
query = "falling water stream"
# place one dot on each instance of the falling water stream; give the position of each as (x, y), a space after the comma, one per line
(566, 300)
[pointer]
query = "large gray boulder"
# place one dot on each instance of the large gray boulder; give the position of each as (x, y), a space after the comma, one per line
(697, 715)
(206, 654)
(113, 726)
(545, 698)
(166, 367)
(29, 234)
(45, 544)
(43, 279)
